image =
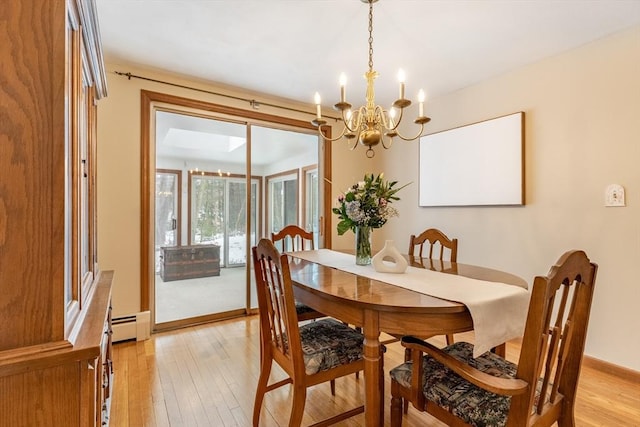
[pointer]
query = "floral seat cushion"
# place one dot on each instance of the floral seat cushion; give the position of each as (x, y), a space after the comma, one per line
(327, 343)
(303, 309)
(448, 390)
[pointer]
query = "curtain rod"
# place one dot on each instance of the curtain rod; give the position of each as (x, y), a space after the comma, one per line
(254, 104)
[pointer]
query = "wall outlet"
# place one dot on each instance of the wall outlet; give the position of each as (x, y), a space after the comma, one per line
(614, 195)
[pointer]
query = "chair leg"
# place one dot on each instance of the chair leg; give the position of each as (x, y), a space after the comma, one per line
(396, 406)
(567, 417)
(359, 329)
(381, 374)
(450, 339)
(297, 408)
(405, 402)
(333, 387)
(263, 380)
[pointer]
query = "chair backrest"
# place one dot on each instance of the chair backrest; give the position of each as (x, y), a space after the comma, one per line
(434, 239)
(279, 330)
(293, 238)
(554, 337)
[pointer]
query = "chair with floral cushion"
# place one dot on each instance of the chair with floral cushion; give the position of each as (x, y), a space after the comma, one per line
(489, 390)
(310, 353)
(294, 238)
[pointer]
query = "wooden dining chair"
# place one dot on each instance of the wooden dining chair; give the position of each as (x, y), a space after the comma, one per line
(293, 238)
(310, 353)
(437, 243)
(490, 391)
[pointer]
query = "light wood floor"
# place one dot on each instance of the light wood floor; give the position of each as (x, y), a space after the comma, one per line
(206, 376)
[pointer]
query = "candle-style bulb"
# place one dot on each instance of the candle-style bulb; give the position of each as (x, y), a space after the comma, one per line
(421, 97)
(316, 99)
(401, 78)
(401, 75)
(343, 87)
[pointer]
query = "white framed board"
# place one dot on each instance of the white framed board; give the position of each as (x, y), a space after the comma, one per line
(474, 165)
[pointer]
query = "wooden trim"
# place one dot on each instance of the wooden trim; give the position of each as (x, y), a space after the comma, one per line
(324, 181)
(611, 369)
(192, 321)
(146, 244)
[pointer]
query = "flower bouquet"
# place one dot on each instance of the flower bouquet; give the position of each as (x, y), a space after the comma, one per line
(364, 206)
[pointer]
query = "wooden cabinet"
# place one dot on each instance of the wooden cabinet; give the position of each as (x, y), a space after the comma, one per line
(54, 301)
(189, 262)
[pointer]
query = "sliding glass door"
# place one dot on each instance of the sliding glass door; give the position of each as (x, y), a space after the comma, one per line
(229, 202)
(201, 270)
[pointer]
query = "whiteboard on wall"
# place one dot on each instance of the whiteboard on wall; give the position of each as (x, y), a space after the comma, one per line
(474, 165)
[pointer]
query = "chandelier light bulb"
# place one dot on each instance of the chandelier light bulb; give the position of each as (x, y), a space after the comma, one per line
(421, 97)
(316, 99)
(343, 87)
(401, 79)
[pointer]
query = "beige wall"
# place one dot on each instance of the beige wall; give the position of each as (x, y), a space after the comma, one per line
(582, 133)
(582, 126)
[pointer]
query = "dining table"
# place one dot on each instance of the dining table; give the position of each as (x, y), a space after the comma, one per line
(399, 304)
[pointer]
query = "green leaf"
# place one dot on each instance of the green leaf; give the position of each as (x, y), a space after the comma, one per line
(343, 227)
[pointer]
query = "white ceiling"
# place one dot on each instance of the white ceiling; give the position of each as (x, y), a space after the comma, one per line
(293, 48)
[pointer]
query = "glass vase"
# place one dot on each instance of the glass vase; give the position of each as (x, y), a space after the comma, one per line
(363, 245)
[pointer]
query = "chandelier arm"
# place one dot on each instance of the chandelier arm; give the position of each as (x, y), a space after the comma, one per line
(355, 117)
(344, 131)
(404, 138)
(380, 116)
(356, 140)
(385, 146)
(395, 127)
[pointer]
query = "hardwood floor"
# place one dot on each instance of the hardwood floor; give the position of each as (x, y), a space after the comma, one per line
(206, 376)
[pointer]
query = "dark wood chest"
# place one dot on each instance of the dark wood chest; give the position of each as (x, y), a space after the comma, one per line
(189, 262)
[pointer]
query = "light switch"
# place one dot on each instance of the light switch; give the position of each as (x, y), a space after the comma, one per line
(614, 195)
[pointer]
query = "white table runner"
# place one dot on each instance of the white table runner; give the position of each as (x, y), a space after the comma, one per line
(498, 310)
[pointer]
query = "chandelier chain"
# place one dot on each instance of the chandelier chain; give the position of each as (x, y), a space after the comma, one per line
(370, 35)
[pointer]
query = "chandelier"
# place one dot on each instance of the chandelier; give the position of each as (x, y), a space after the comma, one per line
(371, 124)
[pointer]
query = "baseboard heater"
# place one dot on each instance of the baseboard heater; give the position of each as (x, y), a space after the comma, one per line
(132, 327)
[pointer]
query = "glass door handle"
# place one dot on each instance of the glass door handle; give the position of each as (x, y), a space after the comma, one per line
(174, 223)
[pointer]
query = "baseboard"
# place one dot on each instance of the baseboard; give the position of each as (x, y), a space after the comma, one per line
(611, 369)
(136, 326)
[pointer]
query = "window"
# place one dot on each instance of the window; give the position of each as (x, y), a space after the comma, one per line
(282, 193)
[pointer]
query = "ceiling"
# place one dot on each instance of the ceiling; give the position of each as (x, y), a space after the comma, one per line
(292, 48)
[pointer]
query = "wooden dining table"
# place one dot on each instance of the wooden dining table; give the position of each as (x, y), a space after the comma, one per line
(379, 307)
